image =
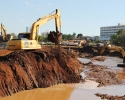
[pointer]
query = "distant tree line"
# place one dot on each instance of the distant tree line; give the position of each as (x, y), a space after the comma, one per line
(65, 37)
(119, 38)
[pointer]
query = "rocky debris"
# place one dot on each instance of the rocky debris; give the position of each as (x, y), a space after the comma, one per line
(98, 58)
(109, 97)
(24, 70)
(101, 74)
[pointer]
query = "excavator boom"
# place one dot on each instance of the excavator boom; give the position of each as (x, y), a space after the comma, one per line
(4, 30)
(41, 21)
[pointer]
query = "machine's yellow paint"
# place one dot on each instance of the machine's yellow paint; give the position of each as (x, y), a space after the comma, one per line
(23, 44)
(30, 40)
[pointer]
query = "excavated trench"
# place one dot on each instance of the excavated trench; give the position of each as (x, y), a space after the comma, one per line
(24, 70)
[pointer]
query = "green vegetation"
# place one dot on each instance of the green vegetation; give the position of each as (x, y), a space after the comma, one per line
(119, 38)
(72, 36)
(14, 35)
(42, 39)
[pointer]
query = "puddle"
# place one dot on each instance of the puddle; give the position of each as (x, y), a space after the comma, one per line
(109, 61)
(57, 92)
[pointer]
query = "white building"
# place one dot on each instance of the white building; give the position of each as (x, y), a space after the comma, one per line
(107, 31)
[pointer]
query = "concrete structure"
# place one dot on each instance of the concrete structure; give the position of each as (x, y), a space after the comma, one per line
(28, 29)
(107, 31)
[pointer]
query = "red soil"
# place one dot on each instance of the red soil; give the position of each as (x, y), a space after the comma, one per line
(22, 70)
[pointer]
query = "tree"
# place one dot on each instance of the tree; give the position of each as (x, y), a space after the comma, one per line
(68, 37)
(64, 37)
(114, 39)
(14, 35)
(80, 36)
(40, 38)
(74, 34)
(119, 38)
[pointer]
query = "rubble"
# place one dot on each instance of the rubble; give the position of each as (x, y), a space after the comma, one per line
(109, 97)
(101, 74)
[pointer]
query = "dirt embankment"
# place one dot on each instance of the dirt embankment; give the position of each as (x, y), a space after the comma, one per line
(91, 51)
(23, 70)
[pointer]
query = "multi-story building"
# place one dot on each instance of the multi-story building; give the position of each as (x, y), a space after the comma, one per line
(107, 31)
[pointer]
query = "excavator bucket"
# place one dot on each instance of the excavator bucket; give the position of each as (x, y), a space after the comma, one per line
(55, 37)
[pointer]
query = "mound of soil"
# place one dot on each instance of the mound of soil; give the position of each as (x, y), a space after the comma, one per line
(101, 74)
(98, 58)
(108, 97)
(90, 51)
(23, 70)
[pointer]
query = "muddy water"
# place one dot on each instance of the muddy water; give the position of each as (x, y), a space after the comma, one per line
(58, 92)
(81, 91)
(111, 62)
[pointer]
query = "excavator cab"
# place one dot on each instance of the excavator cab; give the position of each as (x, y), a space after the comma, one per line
(23, 42)
(23, 35)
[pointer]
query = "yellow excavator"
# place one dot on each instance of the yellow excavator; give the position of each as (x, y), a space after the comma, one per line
(29, 41)
(4, 37)
(114, 48)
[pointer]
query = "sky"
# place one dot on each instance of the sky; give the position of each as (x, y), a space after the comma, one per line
(79, 16)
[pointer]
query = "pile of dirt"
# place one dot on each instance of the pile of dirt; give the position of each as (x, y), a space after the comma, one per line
(86, 51)
(90, 51)
(55, 37)
(101, 74)
(108, 97)
(23, 70)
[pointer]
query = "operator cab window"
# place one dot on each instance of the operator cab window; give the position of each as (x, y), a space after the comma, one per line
(23, 35)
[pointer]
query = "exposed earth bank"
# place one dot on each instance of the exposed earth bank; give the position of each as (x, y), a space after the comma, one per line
(23, 70)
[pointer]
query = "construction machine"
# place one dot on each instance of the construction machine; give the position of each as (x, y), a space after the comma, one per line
(109, 47)
(4, 37)
(29, 41)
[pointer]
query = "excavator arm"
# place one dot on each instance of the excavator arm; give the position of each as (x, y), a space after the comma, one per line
(42, 21)
(4, 30)
(115, 48)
